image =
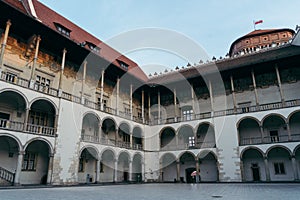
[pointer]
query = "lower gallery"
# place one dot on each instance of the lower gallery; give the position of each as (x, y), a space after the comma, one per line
(73, 110)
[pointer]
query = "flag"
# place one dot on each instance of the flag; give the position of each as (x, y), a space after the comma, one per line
(258, 22)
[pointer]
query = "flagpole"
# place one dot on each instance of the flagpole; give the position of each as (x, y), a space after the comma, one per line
(254, 24)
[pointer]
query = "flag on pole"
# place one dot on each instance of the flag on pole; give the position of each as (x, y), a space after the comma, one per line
(258, 22)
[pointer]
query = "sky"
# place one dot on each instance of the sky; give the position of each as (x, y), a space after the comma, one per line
(213, 25)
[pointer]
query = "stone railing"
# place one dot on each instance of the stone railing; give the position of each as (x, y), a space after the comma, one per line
(40, 130)
(110, 142)
(11, 125)
(185, 146)
(7, 175)
(169, 120)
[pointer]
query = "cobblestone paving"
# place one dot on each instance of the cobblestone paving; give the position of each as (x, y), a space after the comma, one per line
(159, 192)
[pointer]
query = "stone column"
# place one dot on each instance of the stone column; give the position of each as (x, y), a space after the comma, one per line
(83, 81)
(233, 93)
(279, 85)
(100, 135)
(130, 170)
(97, 179)
(117, 98)
(197, 170)
(19, 168)
(61, 72)
(4, 41)
(143, 171)
(32, 78)
(158, 103)
(175, 104)
(50, 169)
(115, 178)
(102, 90)
(131, 110)
(178, 170)
(295, 168)
(211, 98)
(255, 88)
(289, 131)
(131, 140)
(143, 105)
(26, 119)
(267, 168)
(149, 107)
(193, 101)
(261, 128)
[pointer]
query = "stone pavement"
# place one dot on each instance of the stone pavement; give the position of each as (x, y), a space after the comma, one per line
(228, 191)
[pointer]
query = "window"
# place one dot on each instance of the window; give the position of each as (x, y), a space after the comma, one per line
(191, 141)
(81, 165)
(187, 114)
(274, 136)
(38, 118)
(123, 64)
(279, 168)
(29, 161)
(101, 167)
(127, 111)
(42, 84)
(139, 114)
(10, 77)
(126, 137)
(63, 30)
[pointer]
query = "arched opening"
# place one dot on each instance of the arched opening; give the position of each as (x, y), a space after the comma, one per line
(294, 123)
(35, 163)
(275, 129)
(297, 162)
(187, 163)
(87, 166)
(9, 149)
(12, 111)
(205, 136)
(249, 132)
(107, 166)
(137, 168)
(137, 138)
(109, 131)
(41, 118)
(90, 128)
(208, 167)
(186, 138)
(123, 139)
(167, 139)
(168, 168)
(253, 165)
(123, 167)
(280, 164)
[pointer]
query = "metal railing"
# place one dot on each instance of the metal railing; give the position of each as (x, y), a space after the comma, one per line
(7, 175)
(270, 139)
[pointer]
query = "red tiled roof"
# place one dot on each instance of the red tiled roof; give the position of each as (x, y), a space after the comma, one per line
(260, 32)
(78, 35)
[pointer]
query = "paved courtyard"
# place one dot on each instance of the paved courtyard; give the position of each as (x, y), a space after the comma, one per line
(159, 191)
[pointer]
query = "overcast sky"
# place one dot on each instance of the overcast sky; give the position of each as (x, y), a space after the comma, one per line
(213, 24)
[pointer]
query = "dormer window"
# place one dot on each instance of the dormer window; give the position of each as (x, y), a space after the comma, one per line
(93, 47)
(63, 30)
(123, 64)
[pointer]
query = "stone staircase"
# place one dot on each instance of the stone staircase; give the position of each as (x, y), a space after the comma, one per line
(6, 177)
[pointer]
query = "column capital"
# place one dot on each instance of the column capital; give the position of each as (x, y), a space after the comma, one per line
(21, 153)
(8, 22)
(65, 51)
